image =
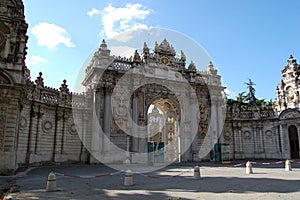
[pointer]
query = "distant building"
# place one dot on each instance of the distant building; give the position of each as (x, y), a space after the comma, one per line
(150, 108)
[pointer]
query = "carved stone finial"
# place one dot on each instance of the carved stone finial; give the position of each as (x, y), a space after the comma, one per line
(103, 49)
(145, 46)
(145, 52)
(164, 48)
(181, 56)
(145, 49)
(39, 81)
(192, 67)
(291, 60)
(136, 57)
(103, 45)
(155, 47)
(64, 87)
(211, 69)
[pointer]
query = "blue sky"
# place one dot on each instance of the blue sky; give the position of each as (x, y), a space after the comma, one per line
(245, 39)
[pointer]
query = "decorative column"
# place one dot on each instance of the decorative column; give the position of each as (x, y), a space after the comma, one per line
(141, 114)
(194, 125)
(284, 143)
(259, 141)
(255, 140)
(240, 139)
(275, 132)
(135, 138)
(95, 132)
(213, 122)
(87, 115)
(107, 119)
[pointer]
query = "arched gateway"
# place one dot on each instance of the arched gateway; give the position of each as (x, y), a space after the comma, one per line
(150, 108)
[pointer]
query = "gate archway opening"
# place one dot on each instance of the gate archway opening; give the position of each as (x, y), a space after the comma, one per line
(163, 131)
(294, 142)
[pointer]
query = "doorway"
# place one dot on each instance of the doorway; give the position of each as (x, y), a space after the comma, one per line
(163, 132)
(294, 142)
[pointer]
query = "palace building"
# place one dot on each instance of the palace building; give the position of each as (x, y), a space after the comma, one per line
(151, 108)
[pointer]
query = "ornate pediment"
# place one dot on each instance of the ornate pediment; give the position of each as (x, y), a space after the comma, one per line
(290, 114)
(164, 48)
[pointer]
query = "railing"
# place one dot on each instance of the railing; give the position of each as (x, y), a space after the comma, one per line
(245, 114)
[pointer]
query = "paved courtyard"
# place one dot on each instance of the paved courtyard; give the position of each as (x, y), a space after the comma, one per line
(172, 182)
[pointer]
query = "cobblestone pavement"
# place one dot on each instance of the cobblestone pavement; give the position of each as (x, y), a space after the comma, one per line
(173, 182)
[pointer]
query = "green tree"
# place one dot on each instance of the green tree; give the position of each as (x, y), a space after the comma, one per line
(241, 97)
(250, 97)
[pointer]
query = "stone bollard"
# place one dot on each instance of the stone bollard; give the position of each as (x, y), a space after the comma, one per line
(197, 172)
(51, 183)
(128, 181)
(288, 166)
(249, 168)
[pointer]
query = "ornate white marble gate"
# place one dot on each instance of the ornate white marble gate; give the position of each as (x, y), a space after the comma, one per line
(122, 91)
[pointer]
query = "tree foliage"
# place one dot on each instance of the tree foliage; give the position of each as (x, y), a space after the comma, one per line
(250, 97)
(246, 100)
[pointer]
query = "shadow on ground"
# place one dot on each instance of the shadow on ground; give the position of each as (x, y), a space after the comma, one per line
(164, 187)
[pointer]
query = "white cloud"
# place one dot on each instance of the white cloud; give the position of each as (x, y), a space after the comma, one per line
(93, 12)
(51, 35)
(117, 20)
(34, 60)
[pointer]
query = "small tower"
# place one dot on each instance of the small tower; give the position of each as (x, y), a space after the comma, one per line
(13, 41)
(211, 69)
(287, 92)
(103, 49)
(145, 52)
(192, 71)
(13, 74)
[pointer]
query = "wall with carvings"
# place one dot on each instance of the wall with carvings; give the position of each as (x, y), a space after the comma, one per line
(258, 132)
(47, 131)
(37, 126)
(9, 118)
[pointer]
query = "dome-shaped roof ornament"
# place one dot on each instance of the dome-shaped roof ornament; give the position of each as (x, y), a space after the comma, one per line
(291, 60)
(103, 50)
(103, 45)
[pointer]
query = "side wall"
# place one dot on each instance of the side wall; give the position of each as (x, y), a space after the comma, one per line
(48, 134)
(9, 120)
